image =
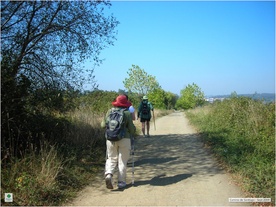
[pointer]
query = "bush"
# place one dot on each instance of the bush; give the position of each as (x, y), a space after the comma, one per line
(241, 131)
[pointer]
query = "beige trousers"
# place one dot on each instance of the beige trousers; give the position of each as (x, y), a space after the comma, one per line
(118, 153)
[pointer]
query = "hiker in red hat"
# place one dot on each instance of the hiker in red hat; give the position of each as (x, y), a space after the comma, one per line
(119, 129)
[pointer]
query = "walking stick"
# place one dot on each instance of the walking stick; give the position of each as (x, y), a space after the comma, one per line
(153, 120)
(132, 149)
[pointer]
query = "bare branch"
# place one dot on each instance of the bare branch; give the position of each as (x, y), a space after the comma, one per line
(10, 15)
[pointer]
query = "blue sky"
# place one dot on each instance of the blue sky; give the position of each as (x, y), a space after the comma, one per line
(220, 46)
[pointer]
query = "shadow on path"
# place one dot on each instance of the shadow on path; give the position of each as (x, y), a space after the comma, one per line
(163, 160)
(166, 159)
(162, 180)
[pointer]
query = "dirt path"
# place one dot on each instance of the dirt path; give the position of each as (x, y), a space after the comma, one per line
(171, 168)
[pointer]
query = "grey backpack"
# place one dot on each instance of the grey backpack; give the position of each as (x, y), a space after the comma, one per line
(115, 125)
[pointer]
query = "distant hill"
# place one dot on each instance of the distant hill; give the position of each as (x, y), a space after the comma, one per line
(268, 97)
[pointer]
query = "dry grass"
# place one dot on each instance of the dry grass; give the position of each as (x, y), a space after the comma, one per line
(85, 129)
(33, 178)
(49, 166)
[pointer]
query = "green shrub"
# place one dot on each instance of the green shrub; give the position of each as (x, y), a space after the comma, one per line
(241, 131)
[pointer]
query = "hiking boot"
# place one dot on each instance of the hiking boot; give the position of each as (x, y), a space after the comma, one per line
(108, 181)
(121, 184)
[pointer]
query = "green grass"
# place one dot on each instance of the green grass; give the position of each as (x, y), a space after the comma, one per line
(241, 132)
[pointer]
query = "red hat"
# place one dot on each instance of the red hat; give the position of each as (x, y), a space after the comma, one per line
(121, 101)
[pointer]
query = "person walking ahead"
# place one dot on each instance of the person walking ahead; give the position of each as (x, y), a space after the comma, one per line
(118, 152)
(145, 115)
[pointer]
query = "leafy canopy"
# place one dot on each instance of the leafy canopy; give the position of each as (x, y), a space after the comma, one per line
(190, 97)
(139, 81)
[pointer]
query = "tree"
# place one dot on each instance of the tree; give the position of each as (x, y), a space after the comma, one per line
(171, 99)
(190, 97)
(158, 98)
(139, 81)
(43, 44)
(162, 99)
(46, 40)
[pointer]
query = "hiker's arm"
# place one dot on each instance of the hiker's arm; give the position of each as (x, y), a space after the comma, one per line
(103, 123)
(131, 126)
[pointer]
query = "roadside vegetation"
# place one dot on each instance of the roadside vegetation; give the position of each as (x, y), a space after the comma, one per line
(241, 132)
(44, 45)
(69, 152)
(63, 152)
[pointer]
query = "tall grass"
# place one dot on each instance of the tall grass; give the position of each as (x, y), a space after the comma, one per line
(57, 170)
(32, 179)
(241, 131)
